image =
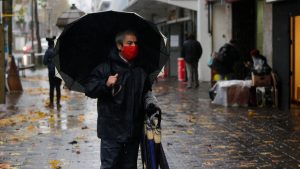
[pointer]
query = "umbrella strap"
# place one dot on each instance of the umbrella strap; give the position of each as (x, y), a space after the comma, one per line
(110, 67)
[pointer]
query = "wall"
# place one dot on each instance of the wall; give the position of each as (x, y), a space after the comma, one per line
(281, 46)
(222, 25)
(190, 4)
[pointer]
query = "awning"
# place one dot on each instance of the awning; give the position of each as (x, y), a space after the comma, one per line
(69, 16)
(227, 1)
(149, 9)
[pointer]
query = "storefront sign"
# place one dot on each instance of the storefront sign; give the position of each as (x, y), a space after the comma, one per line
(274, 0)
(174, 41)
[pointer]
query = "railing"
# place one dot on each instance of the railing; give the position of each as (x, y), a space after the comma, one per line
(28, 61)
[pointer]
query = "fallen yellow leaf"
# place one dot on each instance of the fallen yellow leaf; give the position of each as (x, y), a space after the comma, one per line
(55, 164)
(81, 118)
(6, 122)
(31, 128)
(64, 97)
(189, 132)
(192, 119)
(51, 119)
(15, 154)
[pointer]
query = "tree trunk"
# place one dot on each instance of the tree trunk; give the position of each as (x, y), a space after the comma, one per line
(37, 27)
(8, 8)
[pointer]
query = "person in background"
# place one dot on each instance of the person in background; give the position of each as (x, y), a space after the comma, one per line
(258, 62)
(54, 82)
(191, 52)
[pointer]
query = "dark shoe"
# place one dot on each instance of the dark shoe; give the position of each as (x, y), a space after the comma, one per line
(50, 105)
(189, 87)
(212, 95)
(197, 85)
(58, 106)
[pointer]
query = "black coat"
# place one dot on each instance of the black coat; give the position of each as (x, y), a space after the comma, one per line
(227, 60)
(120, 117)
(191, 51)
(48, 60)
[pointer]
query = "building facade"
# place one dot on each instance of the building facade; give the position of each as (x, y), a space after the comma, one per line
(268, 25)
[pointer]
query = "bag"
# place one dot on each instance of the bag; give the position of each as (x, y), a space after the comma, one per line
(261, 80)
(210, 62)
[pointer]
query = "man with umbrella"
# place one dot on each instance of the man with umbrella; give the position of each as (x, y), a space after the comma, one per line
(98, 55)
(122, 87)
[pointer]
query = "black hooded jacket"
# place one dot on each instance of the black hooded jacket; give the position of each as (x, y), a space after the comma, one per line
(120, 117)
(191, 51)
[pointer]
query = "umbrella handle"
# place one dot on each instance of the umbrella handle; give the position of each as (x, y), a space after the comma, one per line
(157, 114)
(113, 92)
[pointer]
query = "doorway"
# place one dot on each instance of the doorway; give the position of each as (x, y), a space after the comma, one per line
(295, 60)
(243, 25)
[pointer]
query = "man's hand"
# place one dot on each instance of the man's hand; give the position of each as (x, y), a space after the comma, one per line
(111, 81)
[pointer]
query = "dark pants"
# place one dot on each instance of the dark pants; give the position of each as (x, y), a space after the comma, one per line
(54, 83)
(192, 73)
(116, 155)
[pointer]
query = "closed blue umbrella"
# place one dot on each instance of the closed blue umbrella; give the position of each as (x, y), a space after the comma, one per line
(153, 156)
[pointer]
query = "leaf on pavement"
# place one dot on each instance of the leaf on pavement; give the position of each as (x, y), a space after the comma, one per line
(31, 128)
(189, 132)
(81, 118)
(6, 122)
(51, 119)
(64, 97)
(14, 154)
(191, 119)
(55, 164)
(4, 166)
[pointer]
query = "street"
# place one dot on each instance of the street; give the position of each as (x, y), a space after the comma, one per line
(195, 133)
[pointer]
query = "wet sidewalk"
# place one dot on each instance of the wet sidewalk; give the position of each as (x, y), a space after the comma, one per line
(196, 134)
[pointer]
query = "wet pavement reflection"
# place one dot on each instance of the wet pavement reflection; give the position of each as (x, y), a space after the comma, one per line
(196, 134)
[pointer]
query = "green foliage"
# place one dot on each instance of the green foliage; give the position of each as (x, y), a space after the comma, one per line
(21, 15)
(42, 3)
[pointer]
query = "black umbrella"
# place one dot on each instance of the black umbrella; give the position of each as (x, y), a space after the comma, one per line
(87, 42)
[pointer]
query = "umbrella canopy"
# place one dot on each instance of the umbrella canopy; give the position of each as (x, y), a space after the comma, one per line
(86, 42)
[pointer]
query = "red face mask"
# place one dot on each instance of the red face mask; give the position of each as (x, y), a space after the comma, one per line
(129, 52)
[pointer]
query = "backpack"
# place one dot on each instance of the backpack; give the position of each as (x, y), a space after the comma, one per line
(220, 61)
(222, 54)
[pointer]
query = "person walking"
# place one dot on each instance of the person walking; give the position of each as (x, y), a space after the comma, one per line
(123, 90)
(191, 52)
(54, 82)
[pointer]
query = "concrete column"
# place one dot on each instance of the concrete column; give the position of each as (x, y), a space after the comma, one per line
(268, 29)
(2, 67)
(205, 39)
